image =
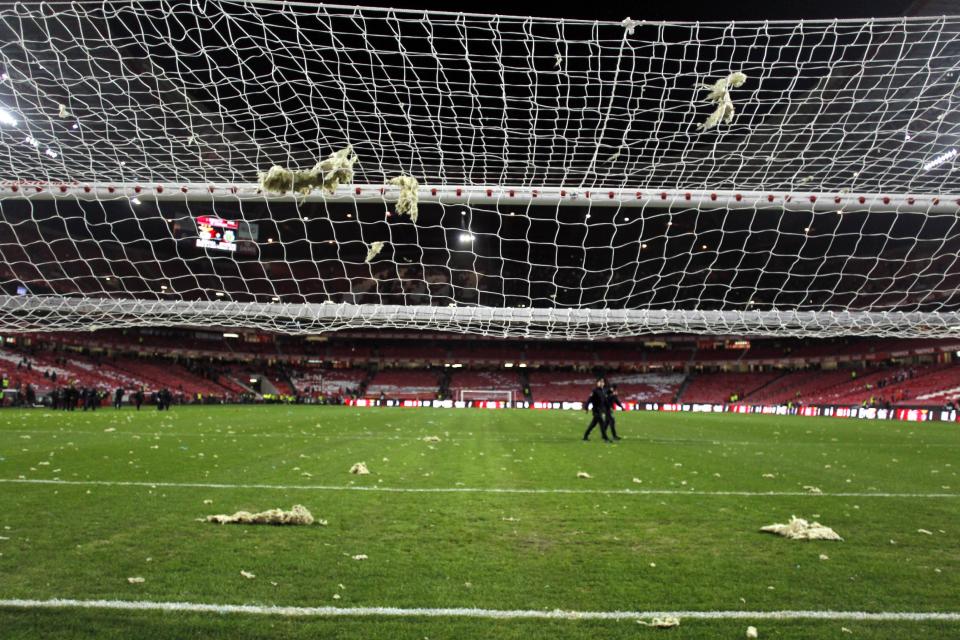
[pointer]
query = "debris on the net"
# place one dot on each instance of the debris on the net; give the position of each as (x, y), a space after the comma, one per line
(811, 489)
(584, 474)
(64, 112)
(407, 202)
(360, 469)
(720, 95)
(298, 514)
(248, 575)
(559, 61)
(800, 529)
(374, 251)
(135, 580)
(661, 623)
(751, 632)
(431, 439)
(327, 174)
(629, 25)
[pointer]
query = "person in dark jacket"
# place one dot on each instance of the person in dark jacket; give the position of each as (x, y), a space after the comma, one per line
(138, 398)
(598, 403)
(612, 401)
(118, 398)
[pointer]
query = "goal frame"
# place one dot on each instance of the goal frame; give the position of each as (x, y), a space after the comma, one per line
(493, 392)
(659, 198)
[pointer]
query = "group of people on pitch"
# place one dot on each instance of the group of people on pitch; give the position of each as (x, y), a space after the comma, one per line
(602, 401)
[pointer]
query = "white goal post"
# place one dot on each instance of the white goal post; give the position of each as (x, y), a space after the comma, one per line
(469, 395)
(303, 168)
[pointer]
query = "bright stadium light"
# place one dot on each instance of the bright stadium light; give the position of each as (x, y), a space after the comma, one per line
(466, 237)
(6, 118)
(940, 159)
(231, 335)
(507, 364)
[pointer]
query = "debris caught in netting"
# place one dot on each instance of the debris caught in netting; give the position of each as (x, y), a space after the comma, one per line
(360, 469)
(407, 202)
(374, 251)
(327, 174)
(800, 529)
(64, 112)
(298, 514)
(661, 623)
(720, 95)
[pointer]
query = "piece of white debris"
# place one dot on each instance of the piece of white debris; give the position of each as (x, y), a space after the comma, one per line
(584, 474)
(637, 481)
(431, 439)
(360, 469)
(752, 632)
(824, 556)
(630, 25)
(298, 514)
(248, 575)
(720, 95)
(208, 501)
(769, 475)
(811, 489)
(109, 430)
(135, 580)
(327, 174)
(374, 251)
(360, 557)
(64, 112)
(925, 532)
(336, 596)
(800, 529)
(558, 61)
(661, 623)
(845, 630)
(407, 202)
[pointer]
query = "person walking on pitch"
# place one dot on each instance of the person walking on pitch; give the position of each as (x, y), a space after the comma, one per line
(612, 401)
(598, 403)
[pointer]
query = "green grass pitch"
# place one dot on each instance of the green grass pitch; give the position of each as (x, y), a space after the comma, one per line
(685, 538)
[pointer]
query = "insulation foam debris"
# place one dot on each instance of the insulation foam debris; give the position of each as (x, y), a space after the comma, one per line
(800, 529)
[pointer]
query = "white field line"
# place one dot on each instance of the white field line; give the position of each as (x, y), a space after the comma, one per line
(573, 438)
(494, 490)
(501, 614)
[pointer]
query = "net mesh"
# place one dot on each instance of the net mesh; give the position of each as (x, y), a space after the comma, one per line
(115, 116)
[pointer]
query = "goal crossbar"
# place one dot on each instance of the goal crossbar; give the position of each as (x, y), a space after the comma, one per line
(798, 200)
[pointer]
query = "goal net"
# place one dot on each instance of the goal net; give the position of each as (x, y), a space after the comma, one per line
(302, 168)
(469, 395)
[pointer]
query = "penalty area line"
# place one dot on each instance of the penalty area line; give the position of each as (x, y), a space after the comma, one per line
(499, 614)
(491, 490)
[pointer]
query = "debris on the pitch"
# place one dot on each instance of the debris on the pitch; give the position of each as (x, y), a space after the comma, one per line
(298, 514)
(336, 596)
(407, 202)
(360, 469)
(431, 439)
(637, 481)
(661, 623)
(248, 575)
(208, 501)
(584, 474)
(769, 475)
(374, 251)
(327, 174)
(135, 580)
(752, 632)
(109, 430)
(845, 630)
(360, 557)
(811, 489)
(925, 532)
(64, 112)
(800, 529)
(720, 95)
(824, 556)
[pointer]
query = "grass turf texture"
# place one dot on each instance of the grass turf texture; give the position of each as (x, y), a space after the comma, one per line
(572, 551)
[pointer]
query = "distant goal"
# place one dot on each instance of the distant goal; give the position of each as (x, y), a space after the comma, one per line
(485, 395)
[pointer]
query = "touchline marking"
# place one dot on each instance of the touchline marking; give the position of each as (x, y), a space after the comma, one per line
(377, 489)
(501, 614)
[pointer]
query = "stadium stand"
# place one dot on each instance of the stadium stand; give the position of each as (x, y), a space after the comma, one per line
(406, 384)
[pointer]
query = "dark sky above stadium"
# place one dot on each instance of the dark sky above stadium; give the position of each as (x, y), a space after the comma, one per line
(686, 10)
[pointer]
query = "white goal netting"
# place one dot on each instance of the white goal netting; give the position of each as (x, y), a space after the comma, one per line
(496, 175)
